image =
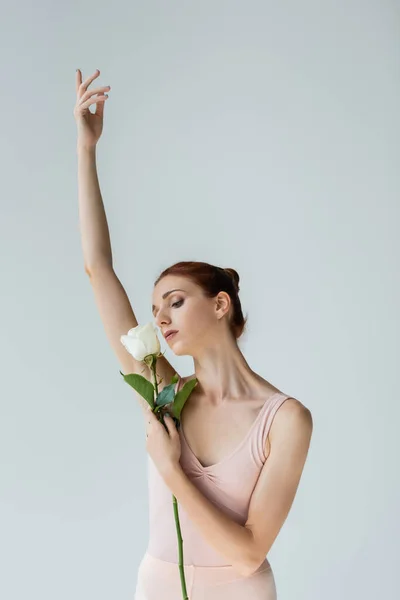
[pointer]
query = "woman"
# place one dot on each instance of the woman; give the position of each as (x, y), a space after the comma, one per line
(236, 460)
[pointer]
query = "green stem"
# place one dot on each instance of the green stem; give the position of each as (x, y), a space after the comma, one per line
(153, 368)
(180, 549)
(175, 505)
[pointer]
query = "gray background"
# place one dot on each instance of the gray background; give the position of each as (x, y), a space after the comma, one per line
(255, 135)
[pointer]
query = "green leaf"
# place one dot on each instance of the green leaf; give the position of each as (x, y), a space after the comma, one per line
(182, 396)
(166, 395)
(142, 385)
(174, 378)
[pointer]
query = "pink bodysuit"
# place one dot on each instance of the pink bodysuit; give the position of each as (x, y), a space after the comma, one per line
(229, 485)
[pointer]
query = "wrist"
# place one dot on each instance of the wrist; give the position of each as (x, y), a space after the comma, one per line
(81, 149)
(173, 473)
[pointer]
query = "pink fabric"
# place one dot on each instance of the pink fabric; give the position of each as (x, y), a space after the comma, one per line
(229, 484)
(159, 579)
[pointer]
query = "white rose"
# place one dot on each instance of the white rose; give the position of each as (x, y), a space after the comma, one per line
(142, 341)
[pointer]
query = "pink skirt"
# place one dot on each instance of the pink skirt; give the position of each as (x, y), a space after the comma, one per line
(158, 579)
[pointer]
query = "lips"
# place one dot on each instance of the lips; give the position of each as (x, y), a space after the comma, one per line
(170, 333)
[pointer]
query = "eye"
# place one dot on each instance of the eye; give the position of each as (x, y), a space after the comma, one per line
(180, 302)
(175, 305)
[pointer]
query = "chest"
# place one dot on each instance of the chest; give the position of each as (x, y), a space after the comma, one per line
(214, 433)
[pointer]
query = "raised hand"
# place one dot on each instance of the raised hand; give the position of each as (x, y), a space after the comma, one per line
(90, 125)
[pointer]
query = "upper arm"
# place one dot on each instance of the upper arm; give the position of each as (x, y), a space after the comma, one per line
(276, 487)
(118, 318)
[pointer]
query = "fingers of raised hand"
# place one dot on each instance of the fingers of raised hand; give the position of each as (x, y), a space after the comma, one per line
(84, 84)
(90, 93)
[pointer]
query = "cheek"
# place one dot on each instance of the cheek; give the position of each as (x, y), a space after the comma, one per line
(197, 321)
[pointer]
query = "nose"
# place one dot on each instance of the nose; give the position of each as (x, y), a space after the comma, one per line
(161, 319)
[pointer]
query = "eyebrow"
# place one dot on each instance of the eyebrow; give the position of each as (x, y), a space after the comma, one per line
(165, 296)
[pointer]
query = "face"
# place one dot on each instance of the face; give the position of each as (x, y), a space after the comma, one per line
(197, 319)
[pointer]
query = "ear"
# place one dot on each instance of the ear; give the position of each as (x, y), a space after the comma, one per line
(223, 303)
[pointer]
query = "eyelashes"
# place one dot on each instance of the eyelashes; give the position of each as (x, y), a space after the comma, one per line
(174, 305)
(180, 302)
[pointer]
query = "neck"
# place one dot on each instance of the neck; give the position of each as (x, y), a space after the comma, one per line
(223, 373)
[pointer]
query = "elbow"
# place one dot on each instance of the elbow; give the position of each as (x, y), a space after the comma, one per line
(252, 562)
(245, 570)
(250, 568)
(255, 561)
(241, 569)
(92, 267)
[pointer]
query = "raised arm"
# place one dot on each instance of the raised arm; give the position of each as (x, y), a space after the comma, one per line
(111, 299)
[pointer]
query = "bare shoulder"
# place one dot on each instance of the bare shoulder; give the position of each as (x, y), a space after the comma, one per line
(292, 420)
(292, 417)
(291, 406)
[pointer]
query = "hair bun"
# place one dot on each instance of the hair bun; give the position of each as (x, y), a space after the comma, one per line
(235, 277)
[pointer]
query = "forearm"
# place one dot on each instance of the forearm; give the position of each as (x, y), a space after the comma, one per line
(233, 541)
(93, 225)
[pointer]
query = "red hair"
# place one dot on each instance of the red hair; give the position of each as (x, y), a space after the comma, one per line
(212, 280)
